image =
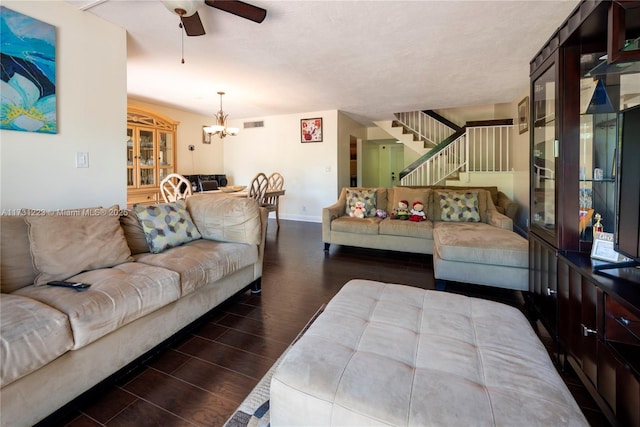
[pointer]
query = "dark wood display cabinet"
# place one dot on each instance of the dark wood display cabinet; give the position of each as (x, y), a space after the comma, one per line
(584, 76)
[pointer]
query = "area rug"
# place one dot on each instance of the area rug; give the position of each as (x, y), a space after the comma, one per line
(254, 410)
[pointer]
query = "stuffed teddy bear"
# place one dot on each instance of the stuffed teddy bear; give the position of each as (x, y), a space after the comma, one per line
(401, 211)
(357, 211)
(417, 213)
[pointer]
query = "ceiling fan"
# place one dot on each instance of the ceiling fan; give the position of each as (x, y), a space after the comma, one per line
(187, 10)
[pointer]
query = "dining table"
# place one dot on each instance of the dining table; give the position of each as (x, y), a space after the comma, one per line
(244, 193)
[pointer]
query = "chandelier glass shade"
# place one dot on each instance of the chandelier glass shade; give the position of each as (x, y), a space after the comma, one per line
(220, 128)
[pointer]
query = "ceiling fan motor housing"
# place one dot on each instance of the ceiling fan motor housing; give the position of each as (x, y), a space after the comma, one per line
(183, 8)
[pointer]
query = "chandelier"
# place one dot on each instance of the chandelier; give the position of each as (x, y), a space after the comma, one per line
(220, 128)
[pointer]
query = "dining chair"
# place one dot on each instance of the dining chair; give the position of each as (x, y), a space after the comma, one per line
(272, 202)
(175, 187)
(258, 187)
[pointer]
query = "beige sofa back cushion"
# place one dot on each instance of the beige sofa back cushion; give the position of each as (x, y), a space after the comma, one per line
(64, 244)
(133, 232)
(16, 267)
(411, 195)
(381, 196)
(226, 218)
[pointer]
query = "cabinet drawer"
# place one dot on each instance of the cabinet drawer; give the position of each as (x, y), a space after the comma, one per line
(143, 197)
(621, 325)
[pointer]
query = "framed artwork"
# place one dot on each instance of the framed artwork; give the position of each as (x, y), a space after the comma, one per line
(523, 115)
(311, 130)
(602, 248)
(206, 137)
(29, 71)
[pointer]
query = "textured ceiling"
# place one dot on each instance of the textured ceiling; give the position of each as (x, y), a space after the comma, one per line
(366, 58)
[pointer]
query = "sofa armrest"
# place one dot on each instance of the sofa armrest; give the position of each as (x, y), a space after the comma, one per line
(332, 212)
(509, 207)
(499, 220)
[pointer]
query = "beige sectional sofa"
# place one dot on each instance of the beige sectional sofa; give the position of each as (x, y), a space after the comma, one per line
(469, 239)
(57, 342)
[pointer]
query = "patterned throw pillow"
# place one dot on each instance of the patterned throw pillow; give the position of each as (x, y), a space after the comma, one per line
(166, 225)
(462, 207)
(366, 195)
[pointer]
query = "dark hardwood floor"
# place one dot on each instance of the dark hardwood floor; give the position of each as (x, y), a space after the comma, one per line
(202, 377)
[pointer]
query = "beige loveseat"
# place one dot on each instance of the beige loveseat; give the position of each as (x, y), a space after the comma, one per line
(58, 342)
(481, 248)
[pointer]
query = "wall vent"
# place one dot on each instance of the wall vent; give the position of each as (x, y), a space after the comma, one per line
(258, 124)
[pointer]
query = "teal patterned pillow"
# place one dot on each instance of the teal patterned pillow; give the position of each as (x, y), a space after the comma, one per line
(166, 225)
(366, 195)
(462, 207)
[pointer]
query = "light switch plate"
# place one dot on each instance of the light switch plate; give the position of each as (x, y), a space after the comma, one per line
(82, 159)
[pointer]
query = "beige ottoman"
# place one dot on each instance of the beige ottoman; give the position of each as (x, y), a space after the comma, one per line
(481, 254)
(383, 354)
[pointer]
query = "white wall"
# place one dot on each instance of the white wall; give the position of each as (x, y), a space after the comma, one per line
(521, 165)
(309, 169)
(38, 170)
(206, 158)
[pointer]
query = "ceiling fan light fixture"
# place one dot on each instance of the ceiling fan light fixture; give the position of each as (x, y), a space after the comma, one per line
(182, 8)
(220, 128)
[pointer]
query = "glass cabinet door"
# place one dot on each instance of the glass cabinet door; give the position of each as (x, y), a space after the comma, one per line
(146, 158)
(165, 153)
(545, 152)
(131, 159)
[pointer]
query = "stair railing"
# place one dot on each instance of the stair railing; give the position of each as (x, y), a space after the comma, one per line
(478, 147)
(425, 127)
(444, 161)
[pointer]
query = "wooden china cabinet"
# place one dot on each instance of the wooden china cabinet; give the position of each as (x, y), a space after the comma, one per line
(151, 154)
(584, 76)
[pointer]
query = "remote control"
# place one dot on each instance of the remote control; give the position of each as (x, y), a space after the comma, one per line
(77, 285)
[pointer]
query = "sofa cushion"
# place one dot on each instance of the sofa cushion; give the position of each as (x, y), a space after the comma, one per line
(65, 243)
(411, 195)
(226, 218)
(32, 334)
(481, 244)
(133, 232)
(166, 225)
(202, 262)
(421, 230)
(458, 206)
(117, 296)
(16, 267)
(347, 224)
(364, 195)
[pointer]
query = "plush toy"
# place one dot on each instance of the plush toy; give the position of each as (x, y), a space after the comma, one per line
(401, 211)
(381, 213)
(417, 213)
(357, 211)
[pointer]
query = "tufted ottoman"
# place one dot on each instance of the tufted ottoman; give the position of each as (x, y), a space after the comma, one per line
(481, 254)
(383, 354)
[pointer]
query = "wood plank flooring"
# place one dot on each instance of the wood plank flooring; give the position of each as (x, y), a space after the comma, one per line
(200, 379)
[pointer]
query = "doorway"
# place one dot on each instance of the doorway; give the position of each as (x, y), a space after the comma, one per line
(391, 163)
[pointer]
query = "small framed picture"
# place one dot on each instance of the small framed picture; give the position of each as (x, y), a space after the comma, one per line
(602, 248)
(206, 137)
(523, 115)
(311, 130)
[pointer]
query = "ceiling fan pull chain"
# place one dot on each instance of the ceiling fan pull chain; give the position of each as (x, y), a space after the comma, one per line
(182, 34)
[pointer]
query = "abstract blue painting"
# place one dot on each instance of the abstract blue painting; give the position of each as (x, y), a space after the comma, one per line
(27, 73)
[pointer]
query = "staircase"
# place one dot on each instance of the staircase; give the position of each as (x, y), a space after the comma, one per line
(448, 150)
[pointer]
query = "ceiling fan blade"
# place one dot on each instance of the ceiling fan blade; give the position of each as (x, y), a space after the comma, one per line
(239, 8)
(192, 25)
